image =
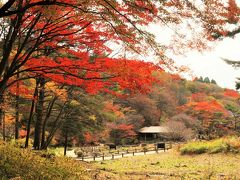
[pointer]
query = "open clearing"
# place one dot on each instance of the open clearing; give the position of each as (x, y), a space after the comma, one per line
(172, 165)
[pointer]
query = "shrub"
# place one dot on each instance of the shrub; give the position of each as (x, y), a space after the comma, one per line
(26, 164)
(178, 131)
(122, 134)
(233, 144)
(80, 153)
(194, 148)
(217, 146)
(21, 142)
(227, 144)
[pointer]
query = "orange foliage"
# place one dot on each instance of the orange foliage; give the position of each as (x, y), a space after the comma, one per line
(89, 138)
(123, 130)
(204, 109)
(24, 91)
(9, 124)
(9, 119)
(176, 77)
(198, 97)
(54, 89)
(22, 133)
(231, 93)
(212, 106)
(110, 107)
(128, 129)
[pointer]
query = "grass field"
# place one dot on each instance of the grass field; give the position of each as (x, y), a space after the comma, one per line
(21, 163)
(172, 165)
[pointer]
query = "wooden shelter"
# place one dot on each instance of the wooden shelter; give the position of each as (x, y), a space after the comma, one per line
(153, 133)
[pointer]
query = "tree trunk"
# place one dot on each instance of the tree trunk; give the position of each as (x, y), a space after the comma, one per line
(49, 110)
(2, 90)
(31, 114)
(55, 127)
(2, 115)
(3, 127)
(1, 108)
(66, 143)
(39, 113)
(17, 110)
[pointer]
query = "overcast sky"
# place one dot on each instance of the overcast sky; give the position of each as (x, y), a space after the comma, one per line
(208, 63)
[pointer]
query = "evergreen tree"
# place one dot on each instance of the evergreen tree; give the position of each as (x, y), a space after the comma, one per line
(206, 80)
(237, 85)
(200, 79)
(235, 64)
(213, 81)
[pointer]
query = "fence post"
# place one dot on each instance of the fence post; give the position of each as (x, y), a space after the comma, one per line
(103, 157)
(122, 154)
(94, 157)
(82, 157)
(112, 156)
(133, 153)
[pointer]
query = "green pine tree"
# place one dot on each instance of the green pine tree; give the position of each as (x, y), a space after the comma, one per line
(206, 80)
(213, 81)
(200, 79)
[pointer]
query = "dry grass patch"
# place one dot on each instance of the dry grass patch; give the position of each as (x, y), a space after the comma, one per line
(172, 165)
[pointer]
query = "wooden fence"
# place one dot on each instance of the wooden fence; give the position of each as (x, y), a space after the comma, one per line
(113, 154)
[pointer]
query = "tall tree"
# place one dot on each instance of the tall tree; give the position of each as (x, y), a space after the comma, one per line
(32, 31)
(206, 80)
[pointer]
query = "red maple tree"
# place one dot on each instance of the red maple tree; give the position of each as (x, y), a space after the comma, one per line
(231, 93)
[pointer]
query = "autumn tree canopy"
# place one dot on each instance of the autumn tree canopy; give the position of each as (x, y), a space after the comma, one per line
(69, 42)
(206, 21)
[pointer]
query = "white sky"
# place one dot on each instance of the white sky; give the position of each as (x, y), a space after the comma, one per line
(209, 63)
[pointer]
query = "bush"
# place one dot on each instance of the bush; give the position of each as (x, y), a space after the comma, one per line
(233, 144)
(227, 144)
(217, 146)
(80, 153)
(194, 148)
(21, 142)
(178, 131)
(26, 164)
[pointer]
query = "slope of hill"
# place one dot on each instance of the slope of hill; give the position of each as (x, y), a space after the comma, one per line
(192, 109)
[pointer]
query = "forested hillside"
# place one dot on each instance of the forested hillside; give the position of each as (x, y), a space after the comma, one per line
(191, 109)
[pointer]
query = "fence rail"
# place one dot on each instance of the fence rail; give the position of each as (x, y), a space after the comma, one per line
(114, 154)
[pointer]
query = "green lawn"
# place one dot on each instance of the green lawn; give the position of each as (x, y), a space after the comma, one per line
(172, 165)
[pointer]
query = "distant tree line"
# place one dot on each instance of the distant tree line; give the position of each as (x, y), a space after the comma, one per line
(206, 80)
